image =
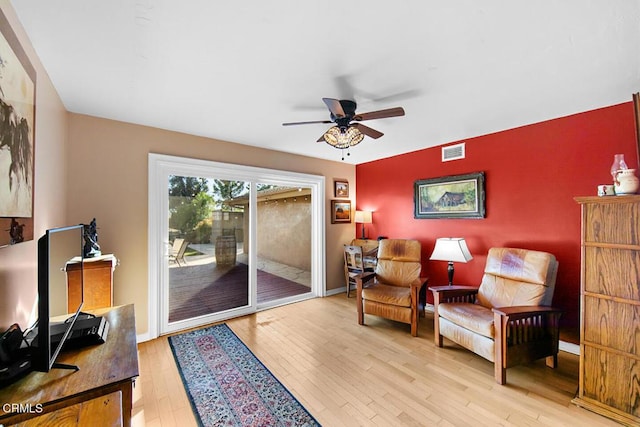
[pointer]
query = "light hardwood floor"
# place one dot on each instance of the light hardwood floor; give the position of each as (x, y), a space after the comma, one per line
(374, 375)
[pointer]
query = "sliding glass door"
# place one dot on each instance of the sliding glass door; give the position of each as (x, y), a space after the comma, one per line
(227, 240)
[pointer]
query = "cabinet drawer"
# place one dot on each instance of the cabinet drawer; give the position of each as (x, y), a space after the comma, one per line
(606, 323)
(609, 378)
(612, 223)
(612, 272)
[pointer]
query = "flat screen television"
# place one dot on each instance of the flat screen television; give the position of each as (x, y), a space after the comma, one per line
(56, 249)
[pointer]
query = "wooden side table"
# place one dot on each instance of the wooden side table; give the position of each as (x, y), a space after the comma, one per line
(96, 288)
(104, 369)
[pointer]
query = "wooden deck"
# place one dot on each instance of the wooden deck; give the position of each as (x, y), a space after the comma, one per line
(197, 290)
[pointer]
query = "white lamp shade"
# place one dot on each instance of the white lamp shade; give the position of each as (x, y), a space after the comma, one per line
(451, 249)
(363, 217)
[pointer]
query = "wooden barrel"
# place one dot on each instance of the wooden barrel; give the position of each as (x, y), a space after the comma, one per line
(226, 250)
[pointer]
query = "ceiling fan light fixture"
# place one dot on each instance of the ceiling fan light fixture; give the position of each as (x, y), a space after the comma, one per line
(343, 138)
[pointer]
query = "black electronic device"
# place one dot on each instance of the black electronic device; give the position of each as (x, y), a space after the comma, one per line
(57, 248)
(85, 332)
(15, 356)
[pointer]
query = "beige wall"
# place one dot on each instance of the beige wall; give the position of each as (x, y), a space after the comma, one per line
(18, 263)
(107, 169)
(284, 232)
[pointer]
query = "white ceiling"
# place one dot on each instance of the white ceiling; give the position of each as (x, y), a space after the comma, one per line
(236, 71)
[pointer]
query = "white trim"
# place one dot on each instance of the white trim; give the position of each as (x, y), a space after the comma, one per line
(569, 347)
(336, 291)
(161, 166)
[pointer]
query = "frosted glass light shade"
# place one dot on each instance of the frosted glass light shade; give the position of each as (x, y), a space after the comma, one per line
(343, 138)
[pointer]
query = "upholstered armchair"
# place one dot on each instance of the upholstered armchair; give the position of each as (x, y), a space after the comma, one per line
(392, 290)
(508, 320)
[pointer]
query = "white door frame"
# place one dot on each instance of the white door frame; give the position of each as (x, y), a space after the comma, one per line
(160, 167)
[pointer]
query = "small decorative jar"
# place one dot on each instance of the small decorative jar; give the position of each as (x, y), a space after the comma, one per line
(626, 182)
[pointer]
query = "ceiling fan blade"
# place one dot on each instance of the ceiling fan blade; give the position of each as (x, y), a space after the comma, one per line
(372, 133)
(335, 107)
(321, 139)
(380, 114)
(306, 123)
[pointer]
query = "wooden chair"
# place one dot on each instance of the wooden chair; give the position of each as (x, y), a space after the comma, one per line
(369, 252)
(353, 265)
(508, 320)
(393, 290)
(178, 250)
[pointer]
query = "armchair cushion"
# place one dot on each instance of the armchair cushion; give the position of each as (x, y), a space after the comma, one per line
(398, 262)
(386, 294)
(516, 277)
(473, 317)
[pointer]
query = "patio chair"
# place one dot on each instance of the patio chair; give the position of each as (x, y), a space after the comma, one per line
(178, 250)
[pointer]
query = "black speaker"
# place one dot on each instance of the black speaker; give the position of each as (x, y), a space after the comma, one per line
(15, 359)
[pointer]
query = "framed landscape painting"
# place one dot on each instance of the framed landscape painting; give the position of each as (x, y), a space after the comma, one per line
(340, 211)
(17, 138)
(459, 196)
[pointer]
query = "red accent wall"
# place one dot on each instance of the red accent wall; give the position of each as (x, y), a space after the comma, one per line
(532, 174)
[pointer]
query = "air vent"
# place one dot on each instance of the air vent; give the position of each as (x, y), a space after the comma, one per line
(453, 152)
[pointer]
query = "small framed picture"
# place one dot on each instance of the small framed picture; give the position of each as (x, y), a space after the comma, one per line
(340, 211)
(340, 188)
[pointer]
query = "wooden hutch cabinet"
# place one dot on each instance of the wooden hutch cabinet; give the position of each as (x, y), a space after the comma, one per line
(96, 287)
(610, 307)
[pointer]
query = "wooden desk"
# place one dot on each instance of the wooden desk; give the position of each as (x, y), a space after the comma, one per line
(104, 369)
(104, 411)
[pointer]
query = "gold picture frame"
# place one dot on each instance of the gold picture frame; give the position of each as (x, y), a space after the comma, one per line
(340, 211)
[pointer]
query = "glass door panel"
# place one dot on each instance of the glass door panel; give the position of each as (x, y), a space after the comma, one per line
(208, 256)
(283, 234)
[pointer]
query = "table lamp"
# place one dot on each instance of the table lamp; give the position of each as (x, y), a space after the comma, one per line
(363, 217)
(451, 249)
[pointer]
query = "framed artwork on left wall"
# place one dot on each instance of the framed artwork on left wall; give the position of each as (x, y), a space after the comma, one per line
(340, 188)
(340, 211)
(17, 138)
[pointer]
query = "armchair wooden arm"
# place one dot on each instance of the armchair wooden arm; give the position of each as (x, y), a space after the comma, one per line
(455, 293)
(519, 332)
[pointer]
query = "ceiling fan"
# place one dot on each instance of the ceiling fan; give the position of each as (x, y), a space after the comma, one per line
(345, 133)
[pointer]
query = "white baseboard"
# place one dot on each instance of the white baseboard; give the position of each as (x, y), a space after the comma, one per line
(569, 347)
(336, 291)
(143, 337)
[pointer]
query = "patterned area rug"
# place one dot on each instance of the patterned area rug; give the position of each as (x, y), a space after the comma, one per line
(228, 386)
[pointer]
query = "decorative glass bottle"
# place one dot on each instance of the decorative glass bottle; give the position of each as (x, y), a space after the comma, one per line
(618, 164)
